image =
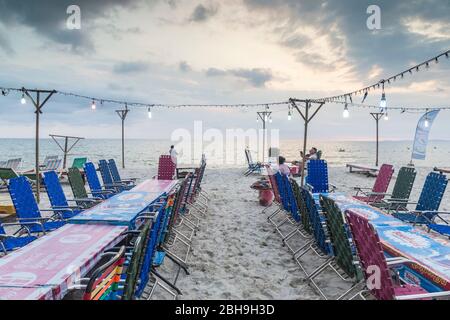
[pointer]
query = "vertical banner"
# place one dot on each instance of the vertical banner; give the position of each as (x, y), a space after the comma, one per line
(422, 133)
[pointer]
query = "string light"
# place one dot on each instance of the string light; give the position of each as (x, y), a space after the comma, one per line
(426, 123)
(346, 113)
(270, 119)
(23, 100)
(383, 102)
(93, 105)
(289, 114)
(149, 113)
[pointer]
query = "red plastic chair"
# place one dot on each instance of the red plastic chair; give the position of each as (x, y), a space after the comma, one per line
(380, 188)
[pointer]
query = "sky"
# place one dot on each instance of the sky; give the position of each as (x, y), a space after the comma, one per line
(220, 52)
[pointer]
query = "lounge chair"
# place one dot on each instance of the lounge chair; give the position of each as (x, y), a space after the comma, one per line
(27, 209)
(252, 166)
(108, 181)
(317, 178)
(427, 207)
(401, 192)
(57, 197)
(98, 191)
(378, 192)
(14, 163)
(370, 252)
(79, 191)
(5, 175)
(79, 163)
(166, 168)
(47, 161)
(116, 175)
(18, 239)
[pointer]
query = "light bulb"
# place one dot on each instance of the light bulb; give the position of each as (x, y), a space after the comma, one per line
(23, 100)
(383, 103)
(426, 123)
(289, 116)
(93, 106)
(270, 119)
(149, 113)
(346, 113)
(386, 117)
(265, 118)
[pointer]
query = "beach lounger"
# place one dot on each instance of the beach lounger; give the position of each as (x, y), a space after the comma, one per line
(79, 191)
(166, 168)
(252, 166)
(79, 163)
(371, 255)
(14, 163)
(401, 192)
(57, 197)
(317, 178)
(427, 207)
(343, 262)
(378, 192)
(116, 175)
(5, 175)
(98, 191)
(47, 161)
(27, 209)
(108, 181)
(17, 240)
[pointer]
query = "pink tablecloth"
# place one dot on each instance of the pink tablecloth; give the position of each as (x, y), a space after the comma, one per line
(55, 261)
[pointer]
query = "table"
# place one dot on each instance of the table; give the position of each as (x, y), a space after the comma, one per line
(429, 251)
(364, 169)
(123, 208)
(45, 268)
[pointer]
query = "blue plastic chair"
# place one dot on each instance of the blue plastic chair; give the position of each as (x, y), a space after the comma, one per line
(27, 209)
(429, 201)
(282, 190)
(293, 207)
(317, 178)
(108, 181)
(94, 183)
(16, 241)
(57, 197)
(116, 175)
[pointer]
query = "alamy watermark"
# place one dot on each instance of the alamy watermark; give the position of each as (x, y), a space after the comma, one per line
(73, 21)
(374, 20)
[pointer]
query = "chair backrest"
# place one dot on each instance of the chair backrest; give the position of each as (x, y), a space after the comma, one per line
(319, 154)
(54, 189)
(48, 159)
(342, 247)
(383, 179)
(318, 222)
(7, 173)
(53, 164)
(432, 193)
(23, 198)
(282, 190)
(179, 201)
(114, 170)
(404, 183)
(273, 183)
(317, 176)
(371, 255)
(166, 168)
(293, 207)
(105, 173)
(301, 206)
(3, 164)
(79, 162)
(92, 178)
(104, 281)
(247, 156)
(14, 163)
(77, 183)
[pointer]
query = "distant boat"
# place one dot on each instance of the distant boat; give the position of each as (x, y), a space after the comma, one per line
(341, 150)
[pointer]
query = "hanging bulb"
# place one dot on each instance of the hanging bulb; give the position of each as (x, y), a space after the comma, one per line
(426, 123)
(93, 106)
(257, 118)
(383, 103)
(23, 100)
(265, 117)
(149, 113)
(289, 115)
(386, 116)
(270, 119)
(346, 113)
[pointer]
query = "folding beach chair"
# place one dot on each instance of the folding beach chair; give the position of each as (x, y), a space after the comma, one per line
(5, 175)
(401, 192)
(52, 165)
(17, 240)
(380, 187)
(343, 262)
(3, 164)
(427, 207)
(197, 199)
(252, 166)
(79, 191)
(317, 178)
(57, 197)
(27, 209)
(320, 246)
(98, 191)
(79, 163)
(108, 181)
(166, 168)
(371, 255)
(47, 161)
(116, 175)
(13, 163)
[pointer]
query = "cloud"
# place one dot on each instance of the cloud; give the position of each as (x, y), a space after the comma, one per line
(5, 44)
(257, 77)
(131, 67)
(202, 13)
(184, 66)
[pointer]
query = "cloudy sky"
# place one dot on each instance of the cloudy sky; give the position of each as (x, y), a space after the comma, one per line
(209, 51)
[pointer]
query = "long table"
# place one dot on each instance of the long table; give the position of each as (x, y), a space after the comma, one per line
(45, 268)
(124, 208)
(429, 251)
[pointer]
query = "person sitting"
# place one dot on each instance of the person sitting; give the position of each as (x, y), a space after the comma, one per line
(312, 155)
(283, 167)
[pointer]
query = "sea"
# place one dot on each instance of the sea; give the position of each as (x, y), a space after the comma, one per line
(141, 154)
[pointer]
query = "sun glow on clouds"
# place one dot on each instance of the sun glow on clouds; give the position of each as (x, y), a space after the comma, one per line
(433, 31)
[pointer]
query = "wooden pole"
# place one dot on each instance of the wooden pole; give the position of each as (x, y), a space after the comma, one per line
(66, 146)
(264, 116)
(123, 115)
(65, 149)
(377, 116)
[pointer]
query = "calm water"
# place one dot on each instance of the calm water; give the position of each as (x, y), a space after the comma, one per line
(145, 153)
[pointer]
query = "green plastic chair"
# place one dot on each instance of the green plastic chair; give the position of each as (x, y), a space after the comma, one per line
(79, 163)
(302, 207)
(78, 189)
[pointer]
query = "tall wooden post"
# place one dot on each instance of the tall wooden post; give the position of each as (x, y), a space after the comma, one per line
(123, 115)
(38, 111)
(264, 116)
(377, 116)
